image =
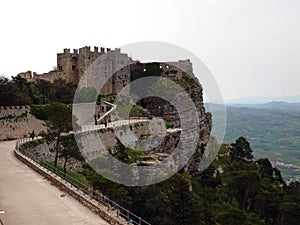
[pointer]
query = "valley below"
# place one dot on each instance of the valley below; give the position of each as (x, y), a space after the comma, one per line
(272, 130)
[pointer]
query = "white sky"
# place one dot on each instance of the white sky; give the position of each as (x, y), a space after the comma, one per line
(252, 47)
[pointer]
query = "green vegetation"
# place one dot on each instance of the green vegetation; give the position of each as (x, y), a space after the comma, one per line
(190, 85)
(235, 189)
(108, 98)
(129, 110)
(59, 121)
(31, 144)
(168, 125)
(245, 192)
(273, 133)
(70, 150)
(86, 95)
(130, 156)
(18, 91)
(268, 130)
(150, 69)
(22, 115)
(38, 111)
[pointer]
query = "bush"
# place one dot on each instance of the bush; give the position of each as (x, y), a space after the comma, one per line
(86, 95)
(38, 111)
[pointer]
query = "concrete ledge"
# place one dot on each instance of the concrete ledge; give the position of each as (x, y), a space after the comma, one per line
(78, 195)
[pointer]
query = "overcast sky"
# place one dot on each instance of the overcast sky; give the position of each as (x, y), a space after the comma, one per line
(252, 47)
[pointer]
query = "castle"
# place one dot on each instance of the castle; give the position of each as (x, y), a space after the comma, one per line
(71, 67)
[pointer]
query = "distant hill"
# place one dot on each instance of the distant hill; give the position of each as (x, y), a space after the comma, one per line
(273, 130)
(263, 99)
(280, 105)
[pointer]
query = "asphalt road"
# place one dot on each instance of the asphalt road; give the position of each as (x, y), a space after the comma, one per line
(26, 198)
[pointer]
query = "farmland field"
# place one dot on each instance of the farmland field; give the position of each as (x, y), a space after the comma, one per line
(272, 133)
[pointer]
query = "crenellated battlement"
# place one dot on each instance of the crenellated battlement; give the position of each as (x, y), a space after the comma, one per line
(72, 64)
(85, 50)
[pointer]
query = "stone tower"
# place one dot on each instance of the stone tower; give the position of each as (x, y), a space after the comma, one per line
(73, 64)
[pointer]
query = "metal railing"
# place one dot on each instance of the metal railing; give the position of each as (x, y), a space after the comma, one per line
(87, 191)
(113, 107)
(115, 124)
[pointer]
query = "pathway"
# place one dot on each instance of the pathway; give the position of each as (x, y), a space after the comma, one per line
(26, 198)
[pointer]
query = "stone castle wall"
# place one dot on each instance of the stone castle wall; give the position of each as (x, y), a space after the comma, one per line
(71, 66)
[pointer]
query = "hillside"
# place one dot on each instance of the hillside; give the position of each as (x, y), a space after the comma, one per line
(277, 105)
(273, 131)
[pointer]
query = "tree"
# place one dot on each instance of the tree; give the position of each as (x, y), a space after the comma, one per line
(59, 121)
(20, 81)
(243, 186)
(170, 201)
(290, 208)
(43, 89)
(241, 150)
(11, 94)
(69, 150)
(265, 168)
(63, 92)
(86, 94)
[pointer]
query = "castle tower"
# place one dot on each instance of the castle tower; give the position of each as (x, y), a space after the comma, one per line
(72, 66)
(67, 65)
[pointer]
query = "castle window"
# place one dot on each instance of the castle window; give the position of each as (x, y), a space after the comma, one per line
(60, 68)
(73, 67)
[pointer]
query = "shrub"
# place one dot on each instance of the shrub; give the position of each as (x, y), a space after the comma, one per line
(38, 111)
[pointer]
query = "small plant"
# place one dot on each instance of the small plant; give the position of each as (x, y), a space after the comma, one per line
(7, 117)
(129, 156)
(31, 144)
(168, 125)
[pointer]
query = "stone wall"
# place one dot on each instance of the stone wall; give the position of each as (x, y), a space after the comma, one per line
(16, 122)
(71, 66)
(45, 153)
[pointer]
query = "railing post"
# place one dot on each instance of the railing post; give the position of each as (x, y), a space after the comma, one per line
(105, 202)
(127, 216)
(140, 222)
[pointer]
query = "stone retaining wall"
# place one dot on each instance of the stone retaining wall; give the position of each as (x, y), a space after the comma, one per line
(16, 122)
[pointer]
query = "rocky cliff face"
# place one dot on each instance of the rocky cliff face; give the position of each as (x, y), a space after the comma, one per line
(166, 152)
(159, 107)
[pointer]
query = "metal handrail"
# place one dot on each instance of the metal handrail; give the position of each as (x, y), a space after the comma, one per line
(108, 112)
(86, 190)
(115, 124)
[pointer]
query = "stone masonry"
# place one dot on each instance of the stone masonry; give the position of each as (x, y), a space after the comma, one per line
(16, 122)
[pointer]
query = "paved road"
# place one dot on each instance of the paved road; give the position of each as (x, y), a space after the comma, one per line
(29, 199)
